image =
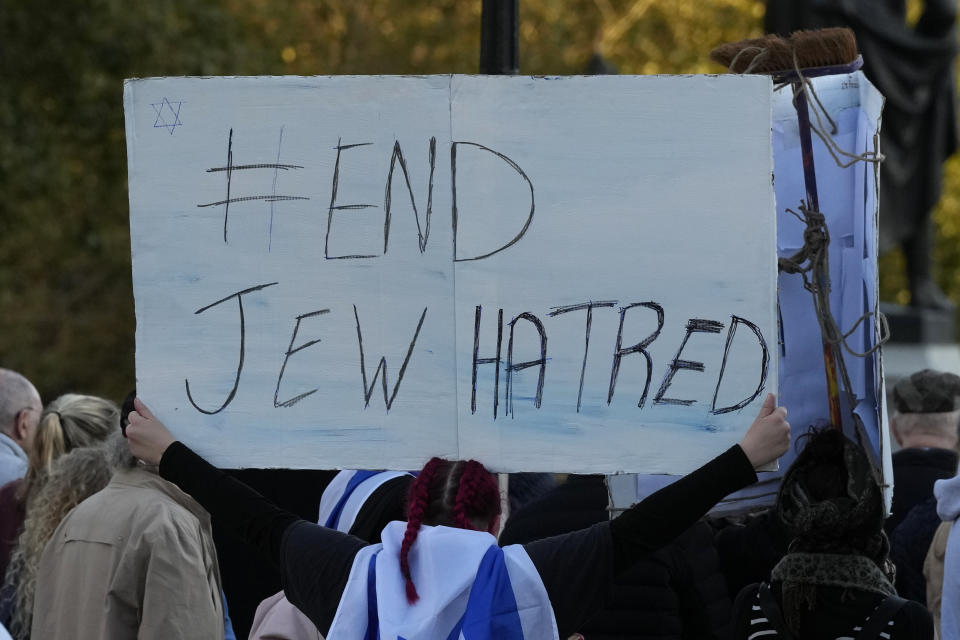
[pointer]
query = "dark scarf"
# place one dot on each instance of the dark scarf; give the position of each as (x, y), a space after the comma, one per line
(802, 573)
(836, 542)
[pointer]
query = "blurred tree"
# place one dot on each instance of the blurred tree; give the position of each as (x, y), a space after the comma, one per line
(946, 256)
(66, 310)
(66, 313)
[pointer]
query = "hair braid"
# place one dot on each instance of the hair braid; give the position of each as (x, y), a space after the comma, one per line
(466, 492)
(416, 509)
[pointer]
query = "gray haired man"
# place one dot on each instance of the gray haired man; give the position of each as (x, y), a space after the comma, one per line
(925, 420)
(20, 409)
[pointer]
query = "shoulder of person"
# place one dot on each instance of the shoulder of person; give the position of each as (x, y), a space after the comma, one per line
(913, 621)
(156, 513)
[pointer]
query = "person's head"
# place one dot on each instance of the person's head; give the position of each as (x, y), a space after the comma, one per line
(830, 500)
(927, 410)
(20, 408)
(388, 503)
(72, 479)
(452, 493)
(69, 422)
(830, 504)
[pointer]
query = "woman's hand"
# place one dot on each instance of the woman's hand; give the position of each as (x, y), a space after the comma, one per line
(769, 436)
(146, 436)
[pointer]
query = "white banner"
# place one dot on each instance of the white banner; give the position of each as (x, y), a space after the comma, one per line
(545, 274)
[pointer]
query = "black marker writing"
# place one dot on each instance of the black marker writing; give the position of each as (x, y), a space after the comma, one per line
(382, 367)
(454, 217)
(423, 232)
(764, 361)
(478, 361)
(694, 325)
(230, 168)
(236, 382)
(640, 347)
(290, 351)
(589, 306)
(335, 207)
(519, 366)
(781, 339)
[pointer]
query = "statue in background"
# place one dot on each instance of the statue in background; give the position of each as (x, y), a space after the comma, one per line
(913, 67)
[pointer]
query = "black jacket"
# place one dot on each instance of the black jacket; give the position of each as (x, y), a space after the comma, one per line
(908, 549)
(749, 550)
(673, 594)
(914, 472)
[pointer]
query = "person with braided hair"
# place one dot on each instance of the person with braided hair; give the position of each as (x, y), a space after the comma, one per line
(441, 573)
(462, 495)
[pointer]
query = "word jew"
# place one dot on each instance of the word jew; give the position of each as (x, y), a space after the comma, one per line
(501, 356)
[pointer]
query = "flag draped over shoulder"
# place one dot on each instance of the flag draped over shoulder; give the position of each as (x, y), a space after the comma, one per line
(346, 494)
(469, 588)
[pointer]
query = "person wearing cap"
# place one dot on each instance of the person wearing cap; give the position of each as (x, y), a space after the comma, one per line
(924, 424)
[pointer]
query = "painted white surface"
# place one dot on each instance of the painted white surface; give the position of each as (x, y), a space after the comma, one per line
(644, 189)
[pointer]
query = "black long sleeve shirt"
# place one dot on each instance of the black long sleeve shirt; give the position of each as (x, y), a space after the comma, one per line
(577, 568)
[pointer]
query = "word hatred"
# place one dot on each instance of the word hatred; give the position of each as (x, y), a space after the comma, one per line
(508, 364)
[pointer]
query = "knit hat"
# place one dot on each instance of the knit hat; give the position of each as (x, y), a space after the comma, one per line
(831, 506)
(927, 391)
(850, 520)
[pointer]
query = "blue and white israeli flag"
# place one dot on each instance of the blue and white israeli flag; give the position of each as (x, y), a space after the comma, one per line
(346, 494)
(470, 589)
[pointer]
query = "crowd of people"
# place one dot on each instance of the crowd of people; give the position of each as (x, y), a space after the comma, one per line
(107, 531)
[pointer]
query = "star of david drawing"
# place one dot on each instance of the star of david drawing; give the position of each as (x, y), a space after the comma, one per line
(168, 115)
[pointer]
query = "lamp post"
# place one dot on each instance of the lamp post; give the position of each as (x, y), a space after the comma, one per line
(498, 37)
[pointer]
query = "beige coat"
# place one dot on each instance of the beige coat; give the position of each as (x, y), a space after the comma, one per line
(933, 572)
(135, 560)
(277, 619)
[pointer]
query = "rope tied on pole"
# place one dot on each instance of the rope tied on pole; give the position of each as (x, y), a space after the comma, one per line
(810, 262)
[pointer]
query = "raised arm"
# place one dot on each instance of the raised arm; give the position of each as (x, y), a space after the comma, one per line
(578, 568)
(230, 502)
(664, 515)
(314, 561)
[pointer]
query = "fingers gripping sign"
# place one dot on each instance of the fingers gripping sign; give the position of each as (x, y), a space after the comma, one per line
(769, 436)
(147, 437)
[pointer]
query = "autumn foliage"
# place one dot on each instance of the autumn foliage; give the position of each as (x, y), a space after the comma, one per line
(66, 309)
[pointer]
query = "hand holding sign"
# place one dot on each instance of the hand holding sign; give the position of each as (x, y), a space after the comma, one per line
(147, 437)
(769, 435)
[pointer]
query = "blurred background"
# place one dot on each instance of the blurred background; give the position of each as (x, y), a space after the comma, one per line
(66, 307)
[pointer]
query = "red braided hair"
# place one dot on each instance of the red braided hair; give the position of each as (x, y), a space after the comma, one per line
(416, 510)
(458, 494)
(477, 493)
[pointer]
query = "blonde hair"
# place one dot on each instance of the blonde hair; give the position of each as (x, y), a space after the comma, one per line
(72, 479)
(70, 421)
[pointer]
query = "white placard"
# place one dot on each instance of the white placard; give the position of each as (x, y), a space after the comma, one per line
(545, 274)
